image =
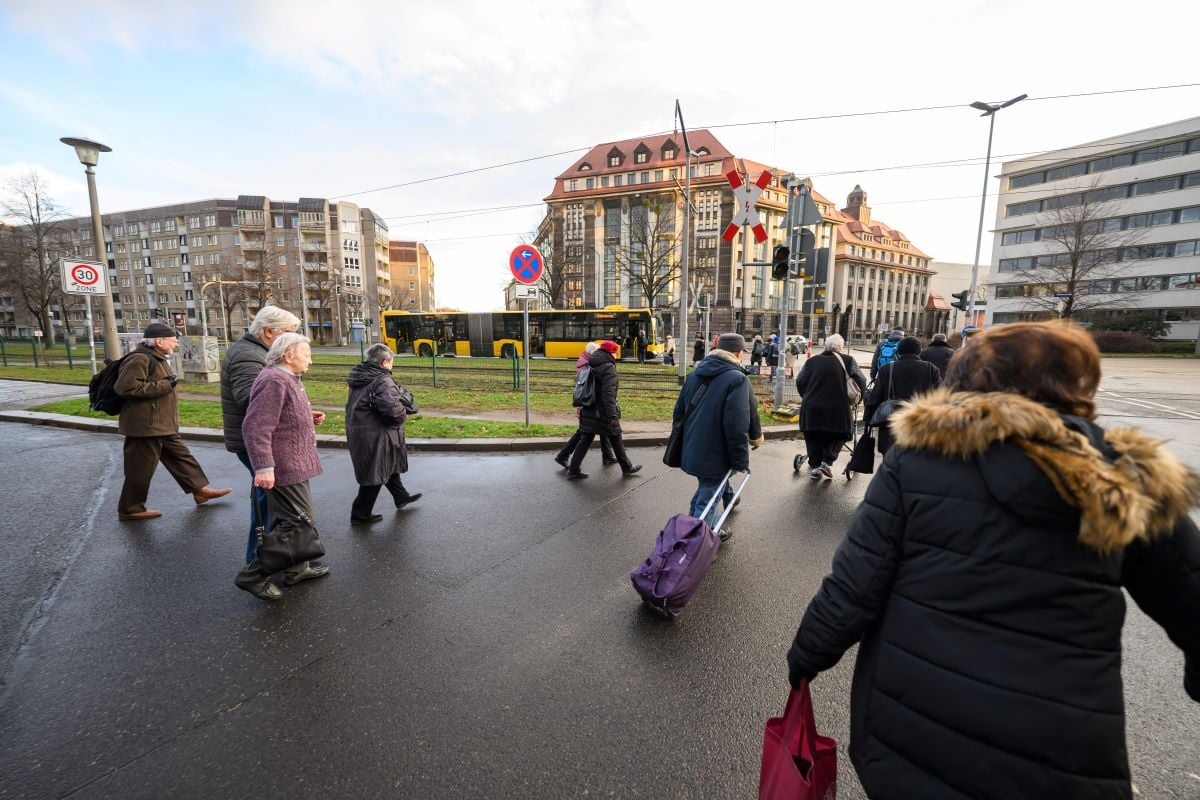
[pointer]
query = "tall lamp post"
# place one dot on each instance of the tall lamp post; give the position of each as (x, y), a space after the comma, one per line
(989, 110)
(683, 345)
(89, 154)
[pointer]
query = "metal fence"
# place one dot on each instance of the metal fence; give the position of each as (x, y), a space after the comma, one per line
(34, 352)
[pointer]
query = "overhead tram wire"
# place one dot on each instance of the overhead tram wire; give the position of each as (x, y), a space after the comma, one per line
(846, 115)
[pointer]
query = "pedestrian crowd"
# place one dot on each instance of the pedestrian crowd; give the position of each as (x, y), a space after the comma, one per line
(983, 578)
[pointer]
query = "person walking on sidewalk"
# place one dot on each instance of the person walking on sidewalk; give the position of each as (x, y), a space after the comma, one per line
(375, 416)
(244, 359)
(904, 378)
(149, 422)
(984, 579)
(938, 353)
(604, 417)
(698, 349)
(826, 419)
(280, 436)
(716, 432)
(564, 455)
(885, 351)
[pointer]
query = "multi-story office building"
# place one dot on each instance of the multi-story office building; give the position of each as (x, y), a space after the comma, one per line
(412, 277)
(1104, 228)
(160, 258)
(614, 225)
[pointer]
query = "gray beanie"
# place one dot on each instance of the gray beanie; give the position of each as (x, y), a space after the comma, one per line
(732, 343)
(939, 337)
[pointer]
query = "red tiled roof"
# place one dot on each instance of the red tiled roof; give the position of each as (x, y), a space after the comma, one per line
(936, 302)
(852, 230)
(597, 159)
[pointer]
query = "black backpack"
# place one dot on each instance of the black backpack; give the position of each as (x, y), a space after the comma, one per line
(102, 389)
(585, 388)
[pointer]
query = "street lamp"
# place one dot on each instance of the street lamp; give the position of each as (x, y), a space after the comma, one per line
(89, 154)
(989, 110)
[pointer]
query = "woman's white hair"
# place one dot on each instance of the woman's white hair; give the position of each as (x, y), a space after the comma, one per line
(835, 343)
(286, 343)
(590, 348)
(379, 353)
(272, 317)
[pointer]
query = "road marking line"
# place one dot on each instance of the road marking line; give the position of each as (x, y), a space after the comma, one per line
(1194, 776)
(1148, 405)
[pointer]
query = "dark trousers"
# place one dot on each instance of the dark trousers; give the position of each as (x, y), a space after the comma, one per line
(142, 456)
(291, 503)
(585, 444)
(258, 509)
(823, 447)
(605, 448)
(364, 503)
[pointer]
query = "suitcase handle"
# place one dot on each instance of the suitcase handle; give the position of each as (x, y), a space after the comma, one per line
(716, 494)
(736, 494)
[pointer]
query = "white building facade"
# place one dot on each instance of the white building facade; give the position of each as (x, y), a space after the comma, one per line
(1144, 188)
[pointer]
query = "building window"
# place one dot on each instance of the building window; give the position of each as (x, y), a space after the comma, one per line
(669, 154)
(640, 158)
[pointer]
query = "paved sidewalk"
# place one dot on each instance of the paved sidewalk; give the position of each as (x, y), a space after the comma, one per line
(23, 394)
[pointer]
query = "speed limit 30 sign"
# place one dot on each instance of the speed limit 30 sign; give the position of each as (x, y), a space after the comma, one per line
(84, 277)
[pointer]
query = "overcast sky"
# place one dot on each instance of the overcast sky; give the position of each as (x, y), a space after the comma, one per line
(292, 98)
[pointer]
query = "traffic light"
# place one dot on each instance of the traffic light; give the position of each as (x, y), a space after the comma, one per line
(779, 262)
(803, 267)
(960, 300)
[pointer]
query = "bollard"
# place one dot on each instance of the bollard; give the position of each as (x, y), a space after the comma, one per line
(362, 353)
(434, 359)
(33, 345)
(70, 361)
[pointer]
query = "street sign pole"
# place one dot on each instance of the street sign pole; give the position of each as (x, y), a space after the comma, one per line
(794, 252)
(525, 326)
(87, 304)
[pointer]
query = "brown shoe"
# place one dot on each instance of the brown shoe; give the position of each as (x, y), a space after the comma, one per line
(149, 513)
(206, 494)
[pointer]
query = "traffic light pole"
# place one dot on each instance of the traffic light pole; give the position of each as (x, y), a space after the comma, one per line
(793, 253)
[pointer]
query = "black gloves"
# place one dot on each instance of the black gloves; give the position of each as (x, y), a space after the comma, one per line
(796, 673)
(173, 379)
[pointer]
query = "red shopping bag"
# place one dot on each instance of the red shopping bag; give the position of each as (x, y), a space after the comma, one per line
(797, 762)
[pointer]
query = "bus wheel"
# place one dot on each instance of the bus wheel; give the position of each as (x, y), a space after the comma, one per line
(508, 351)
(425, 351)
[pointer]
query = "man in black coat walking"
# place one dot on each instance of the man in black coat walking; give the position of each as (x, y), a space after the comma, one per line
(904, 378)
(938, 353)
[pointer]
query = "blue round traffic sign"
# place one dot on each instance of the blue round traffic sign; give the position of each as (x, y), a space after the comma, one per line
(526, 263)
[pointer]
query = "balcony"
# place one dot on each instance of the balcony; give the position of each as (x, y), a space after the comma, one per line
(315, 247)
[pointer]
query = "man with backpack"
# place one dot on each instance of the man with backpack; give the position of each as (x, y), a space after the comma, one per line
(150, 424)
(716, 431)
(886, 352)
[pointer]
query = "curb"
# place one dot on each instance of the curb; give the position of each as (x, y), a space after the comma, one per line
(331, 442)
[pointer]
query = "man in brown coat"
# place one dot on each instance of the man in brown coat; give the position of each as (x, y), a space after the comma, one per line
(150, 424)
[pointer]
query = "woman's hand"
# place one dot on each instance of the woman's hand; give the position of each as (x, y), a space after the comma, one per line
(265, 480)
(318, 417)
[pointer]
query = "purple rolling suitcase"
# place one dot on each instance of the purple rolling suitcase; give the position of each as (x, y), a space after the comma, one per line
(684, 551)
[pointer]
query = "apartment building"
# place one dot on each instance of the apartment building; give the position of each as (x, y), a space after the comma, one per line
(613, 230)
(412, 277)
(1106, 228)
(304, 255)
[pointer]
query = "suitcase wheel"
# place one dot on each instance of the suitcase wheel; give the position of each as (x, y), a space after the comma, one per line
(797, 462)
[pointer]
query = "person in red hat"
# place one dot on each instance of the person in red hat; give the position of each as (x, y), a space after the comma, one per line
(602, 418)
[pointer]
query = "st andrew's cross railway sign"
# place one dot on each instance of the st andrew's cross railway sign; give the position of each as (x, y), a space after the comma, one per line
(745, 195)
(526, 263)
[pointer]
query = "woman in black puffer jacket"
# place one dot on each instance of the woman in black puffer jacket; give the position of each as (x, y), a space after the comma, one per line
(983, 576)
(602, 418)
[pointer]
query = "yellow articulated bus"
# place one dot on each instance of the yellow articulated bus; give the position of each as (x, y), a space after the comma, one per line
(498, 334)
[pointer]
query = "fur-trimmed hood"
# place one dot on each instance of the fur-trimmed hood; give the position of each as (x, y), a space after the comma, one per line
(1140, 490)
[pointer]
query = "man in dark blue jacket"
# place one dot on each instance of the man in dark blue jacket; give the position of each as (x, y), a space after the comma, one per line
(716, 433)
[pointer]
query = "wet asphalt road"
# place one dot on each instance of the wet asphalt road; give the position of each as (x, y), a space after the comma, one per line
(484, 642)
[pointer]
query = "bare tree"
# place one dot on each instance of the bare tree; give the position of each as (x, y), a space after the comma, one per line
(556, 272)
(322, 286)
(29, 246)
(1087, 238)
(648, 253)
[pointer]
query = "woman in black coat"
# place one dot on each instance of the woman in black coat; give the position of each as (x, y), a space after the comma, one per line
(904, 378)
(375, 416)
(603, 418)
(984, 578)
(825, 413)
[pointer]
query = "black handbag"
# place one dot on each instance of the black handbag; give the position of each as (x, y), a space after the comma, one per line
(673, 456)
(862, 458)
(888, 406)
(406, 399)
(289, 543)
